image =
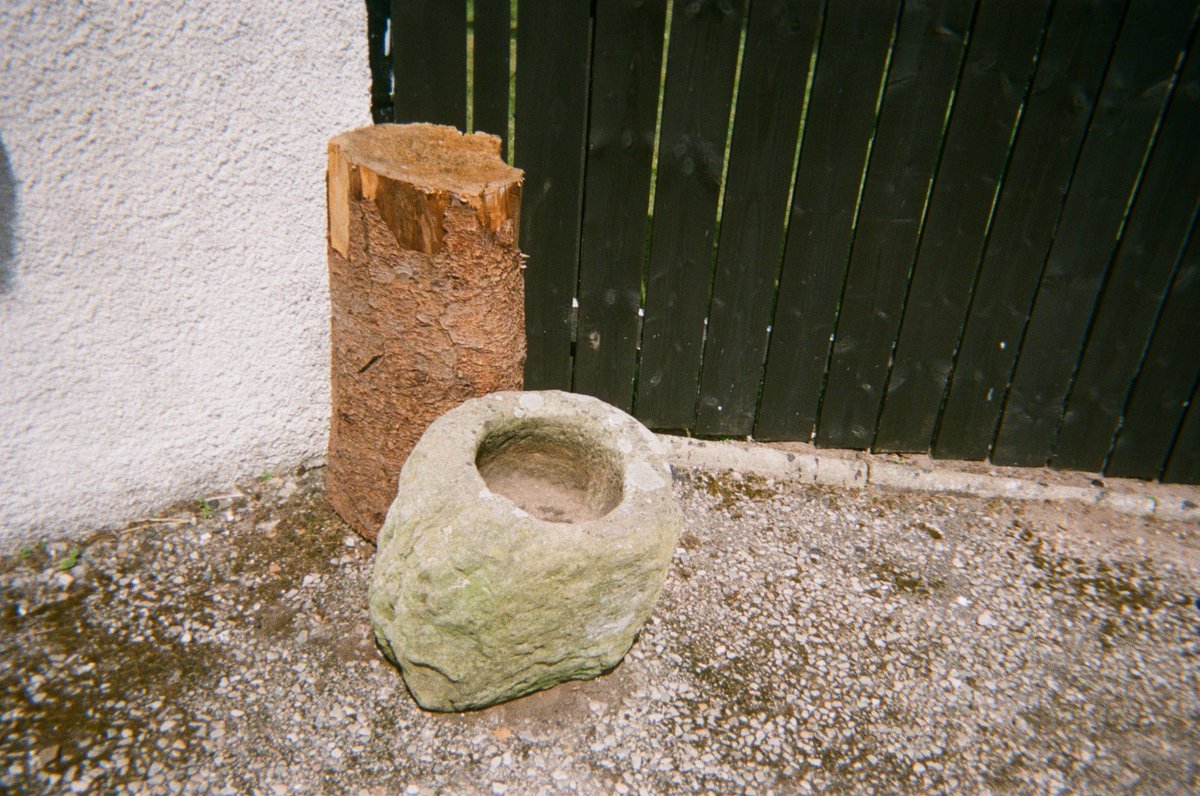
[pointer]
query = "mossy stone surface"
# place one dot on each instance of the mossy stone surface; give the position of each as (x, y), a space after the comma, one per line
(481, 593)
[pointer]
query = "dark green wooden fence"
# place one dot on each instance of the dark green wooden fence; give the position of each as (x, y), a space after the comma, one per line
(949, 226)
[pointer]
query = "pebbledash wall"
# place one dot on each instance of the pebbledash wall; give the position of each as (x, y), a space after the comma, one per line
(164, 318)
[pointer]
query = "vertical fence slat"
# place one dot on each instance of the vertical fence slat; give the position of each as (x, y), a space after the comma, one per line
(553, 42)
(1127, 111)
(1183, 466)
(378, 14)
(691, 150)
(924, 71)
(1167, 380)
(491, 69)
(626, 65)
(854, 46)
(1069, 73)
(999, 65)
(1150, 250)
(429, 59)
(779, 40)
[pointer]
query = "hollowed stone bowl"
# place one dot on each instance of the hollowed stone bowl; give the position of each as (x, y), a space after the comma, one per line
(527, 544)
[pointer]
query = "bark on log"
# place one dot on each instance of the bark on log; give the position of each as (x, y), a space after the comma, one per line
(426, 294)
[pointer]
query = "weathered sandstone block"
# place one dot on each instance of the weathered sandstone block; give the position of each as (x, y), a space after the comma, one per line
(528, 541)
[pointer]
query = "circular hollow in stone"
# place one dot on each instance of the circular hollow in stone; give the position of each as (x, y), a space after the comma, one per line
(555, 471)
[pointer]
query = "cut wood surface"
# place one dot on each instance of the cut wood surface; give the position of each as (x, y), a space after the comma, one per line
(426, 295)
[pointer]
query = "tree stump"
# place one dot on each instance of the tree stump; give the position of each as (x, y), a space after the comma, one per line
(426, 294)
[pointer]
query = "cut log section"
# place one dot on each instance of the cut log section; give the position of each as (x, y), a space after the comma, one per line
(426, 294)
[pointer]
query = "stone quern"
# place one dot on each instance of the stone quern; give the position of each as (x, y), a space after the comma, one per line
(528, 541)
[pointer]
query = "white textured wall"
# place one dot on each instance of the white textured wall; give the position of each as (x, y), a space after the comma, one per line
(163, 298)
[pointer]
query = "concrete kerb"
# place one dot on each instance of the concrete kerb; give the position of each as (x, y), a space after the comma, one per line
(849, 469)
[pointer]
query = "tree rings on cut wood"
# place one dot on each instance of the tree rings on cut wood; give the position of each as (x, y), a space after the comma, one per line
(426, 295)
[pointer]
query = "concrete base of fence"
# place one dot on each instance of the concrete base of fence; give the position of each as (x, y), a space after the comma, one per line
(426, 296)
(850, 469)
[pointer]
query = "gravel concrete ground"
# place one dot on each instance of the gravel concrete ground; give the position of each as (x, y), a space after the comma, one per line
(808, 639)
